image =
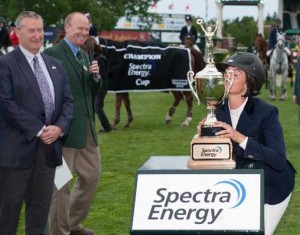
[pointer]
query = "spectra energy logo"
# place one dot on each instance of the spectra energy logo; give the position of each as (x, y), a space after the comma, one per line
(201, 207)
(211, 152)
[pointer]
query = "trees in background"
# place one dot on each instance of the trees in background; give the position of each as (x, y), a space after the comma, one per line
(105, 13)
(242, 29)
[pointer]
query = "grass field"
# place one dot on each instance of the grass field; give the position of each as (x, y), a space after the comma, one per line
(126, 149)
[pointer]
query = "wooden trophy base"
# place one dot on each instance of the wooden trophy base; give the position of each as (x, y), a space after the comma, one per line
(211, 153)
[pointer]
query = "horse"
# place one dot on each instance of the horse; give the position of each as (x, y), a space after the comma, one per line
(198, 64)
(261, 47)
(279, 66)
(122, 97)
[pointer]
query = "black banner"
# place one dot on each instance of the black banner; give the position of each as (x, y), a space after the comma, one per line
(137, 66)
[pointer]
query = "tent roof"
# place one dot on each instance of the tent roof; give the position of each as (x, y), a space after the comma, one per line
(292, 31)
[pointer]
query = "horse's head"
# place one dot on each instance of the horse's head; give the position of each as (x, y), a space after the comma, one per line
(188, 41)
(260, 43)
(279, 57)
(280, 40)
(261, 47)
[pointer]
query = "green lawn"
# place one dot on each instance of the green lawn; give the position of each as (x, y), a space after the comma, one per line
(126, 149)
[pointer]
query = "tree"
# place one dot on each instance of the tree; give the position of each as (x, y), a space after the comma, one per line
(105, 13)
(243, 31)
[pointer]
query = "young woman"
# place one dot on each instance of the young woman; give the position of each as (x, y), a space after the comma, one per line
(256, 133)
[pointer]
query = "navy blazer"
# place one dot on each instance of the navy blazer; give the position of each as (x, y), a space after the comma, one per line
(184, 32)
(273, 36)
(22, 112)
(259, 121)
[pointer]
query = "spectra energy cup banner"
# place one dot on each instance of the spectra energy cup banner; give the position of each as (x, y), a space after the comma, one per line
(135, 66)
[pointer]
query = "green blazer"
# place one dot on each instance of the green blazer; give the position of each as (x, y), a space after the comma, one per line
(82, 88)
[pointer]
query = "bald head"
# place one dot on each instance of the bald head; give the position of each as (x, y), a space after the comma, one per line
(77, 28)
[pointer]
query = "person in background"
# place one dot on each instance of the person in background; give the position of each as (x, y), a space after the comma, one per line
(296, 96)
(36, 108)
(102, 92)
(69, 207)
(93, 29)
(189, 29)
(4, 35)
(6, 45)
(277, 29)
(273, 35)
(13, 36)
(256, 133)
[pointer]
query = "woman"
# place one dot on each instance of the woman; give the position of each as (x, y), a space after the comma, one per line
(254, 129)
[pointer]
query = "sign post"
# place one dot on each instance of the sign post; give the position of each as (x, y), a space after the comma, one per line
(173, 199)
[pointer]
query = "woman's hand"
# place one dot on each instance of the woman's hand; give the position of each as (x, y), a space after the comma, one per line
(229, 132)
(201, 123)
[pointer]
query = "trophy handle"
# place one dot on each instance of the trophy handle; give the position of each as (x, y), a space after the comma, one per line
(229, 78)
(190, 77)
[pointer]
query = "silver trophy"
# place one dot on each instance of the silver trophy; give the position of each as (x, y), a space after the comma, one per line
(210, 87)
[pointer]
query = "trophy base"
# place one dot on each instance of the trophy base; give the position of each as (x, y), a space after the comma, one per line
(211, 153)
(208, 164)
(210, 131)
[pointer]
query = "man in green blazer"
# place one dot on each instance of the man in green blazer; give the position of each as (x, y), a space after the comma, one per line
(81, 153)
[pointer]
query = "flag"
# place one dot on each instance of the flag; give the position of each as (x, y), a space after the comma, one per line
(154, 5)
(187, 8)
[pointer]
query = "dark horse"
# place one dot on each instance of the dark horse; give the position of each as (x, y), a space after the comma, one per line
(198, 64)
(261, 47)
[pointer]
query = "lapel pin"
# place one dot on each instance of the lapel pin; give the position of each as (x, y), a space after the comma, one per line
(53, 67)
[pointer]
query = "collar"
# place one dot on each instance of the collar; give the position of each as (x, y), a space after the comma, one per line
(28, 55)
(72, 46)
(239, 110)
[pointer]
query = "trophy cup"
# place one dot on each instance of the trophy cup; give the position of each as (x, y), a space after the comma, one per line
(211, 87)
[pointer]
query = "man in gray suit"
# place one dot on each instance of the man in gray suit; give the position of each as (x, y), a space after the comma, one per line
(36, 109)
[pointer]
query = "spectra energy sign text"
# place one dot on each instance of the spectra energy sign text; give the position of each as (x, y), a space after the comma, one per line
(161, 208)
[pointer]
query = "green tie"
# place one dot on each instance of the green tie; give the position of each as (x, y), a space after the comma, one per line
(79, 57)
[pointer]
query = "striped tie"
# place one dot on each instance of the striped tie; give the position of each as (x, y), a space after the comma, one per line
(79, 57)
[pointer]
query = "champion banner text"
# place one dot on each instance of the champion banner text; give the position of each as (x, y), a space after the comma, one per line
(135, 66)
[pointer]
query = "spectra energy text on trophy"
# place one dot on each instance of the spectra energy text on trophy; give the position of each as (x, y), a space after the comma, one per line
(210, 87)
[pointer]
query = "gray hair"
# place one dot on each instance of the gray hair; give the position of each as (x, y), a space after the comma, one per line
(26, 14)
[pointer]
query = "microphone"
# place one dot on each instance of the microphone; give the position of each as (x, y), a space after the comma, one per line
(90, 50)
